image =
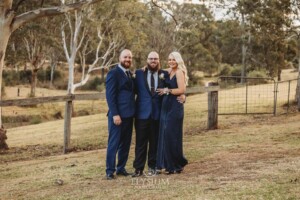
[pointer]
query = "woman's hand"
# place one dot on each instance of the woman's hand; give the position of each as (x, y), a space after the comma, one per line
(144, 68)
(162, 91)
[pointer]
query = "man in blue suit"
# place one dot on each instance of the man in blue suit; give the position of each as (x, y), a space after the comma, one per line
(121, 103)
(148, 106)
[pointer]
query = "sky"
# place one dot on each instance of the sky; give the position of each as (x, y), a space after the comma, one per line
(219, 13)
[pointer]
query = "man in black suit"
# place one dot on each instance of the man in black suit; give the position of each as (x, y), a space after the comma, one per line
(148, 106)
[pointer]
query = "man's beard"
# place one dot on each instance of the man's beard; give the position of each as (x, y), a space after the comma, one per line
(154, 69)
(126, 64)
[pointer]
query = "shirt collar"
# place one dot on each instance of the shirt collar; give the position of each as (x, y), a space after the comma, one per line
(122, 68)
(149, 72)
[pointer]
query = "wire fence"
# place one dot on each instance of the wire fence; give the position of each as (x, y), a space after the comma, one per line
(255, 95)
(286, 95)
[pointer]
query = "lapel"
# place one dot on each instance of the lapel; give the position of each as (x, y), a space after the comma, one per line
(128, 80)
(146, 81)
(161, 83)
(121, 72)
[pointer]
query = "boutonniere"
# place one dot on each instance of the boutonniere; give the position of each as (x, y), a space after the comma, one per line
(133, 75)
(162, 76)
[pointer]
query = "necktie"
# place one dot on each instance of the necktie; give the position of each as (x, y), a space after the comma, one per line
(127, 73)
(152, 84)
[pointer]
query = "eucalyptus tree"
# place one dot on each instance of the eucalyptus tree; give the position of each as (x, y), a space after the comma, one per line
(295, 36)
(36, 54)
(270, 20)
(195, 37)
(11, 19)
(228, 36)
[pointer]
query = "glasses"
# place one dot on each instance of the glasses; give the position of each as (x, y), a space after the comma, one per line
(152, 58)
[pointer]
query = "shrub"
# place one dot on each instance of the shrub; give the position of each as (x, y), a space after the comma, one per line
(45, 74)
(94, 84)
(10, 77)
(3, 89)
(25, 76)
(257, 74)
(226, 70)
(35, 119)
(236, 71)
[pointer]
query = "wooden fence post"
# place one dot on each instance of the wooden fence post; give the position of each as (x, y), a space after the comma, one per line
(67, 126)
(298, 93)
(212, 121)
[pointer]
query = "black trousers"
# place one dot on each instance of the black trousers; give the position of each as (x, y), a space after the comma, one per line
(147, 131)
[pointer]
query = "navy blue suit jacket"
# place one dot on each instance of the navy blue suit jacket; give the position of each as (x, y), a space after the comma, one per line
(148, 105)
(120, 93)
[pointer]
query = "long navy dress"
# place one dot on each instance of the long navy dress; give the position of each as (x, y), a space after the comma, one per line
(169, 153)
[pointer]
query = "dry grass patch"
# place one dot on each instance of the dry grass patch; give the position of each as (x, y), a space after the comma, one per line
(248, 157)
(257, 159)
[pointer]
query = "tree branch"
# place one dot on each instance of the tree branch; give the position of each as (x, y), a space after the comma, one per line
(173, 17)
(18, 4)
(43, 12)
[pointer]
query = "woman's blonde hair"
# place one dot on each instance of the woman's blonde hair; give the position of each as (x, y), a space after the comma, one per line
(181, 65)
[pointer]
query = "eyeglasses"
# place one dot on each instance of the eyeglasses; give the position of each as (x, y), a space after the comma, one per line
(152, 58)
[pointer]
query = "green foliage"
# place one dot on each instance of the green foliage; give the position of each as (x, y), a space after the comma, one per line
(196, 39)
(36, 119)
(195, 80)
(12, 77)
(3, 89)
(263, 27)
(94, 84)
(258, 74)
(236, 71)
(226, 70)
(45, 74)
(23, 77)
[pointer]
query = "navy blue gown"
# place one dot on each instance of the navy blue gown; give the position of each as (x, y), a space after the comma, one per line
(170, 153)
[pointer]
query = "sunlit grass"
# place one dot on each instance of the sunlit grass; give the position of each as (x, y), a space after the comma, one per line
(248, 157)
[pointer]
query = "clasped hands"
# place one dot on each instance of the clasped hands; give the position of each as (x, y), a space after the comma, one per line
(162, 91)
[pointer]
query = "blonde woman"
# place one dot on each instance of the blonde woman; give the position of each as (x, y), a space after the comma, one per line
(170, 152)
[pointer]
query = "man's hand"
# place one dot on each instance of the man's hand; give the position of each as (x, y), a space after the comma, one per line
(181, 98)
(117, 120)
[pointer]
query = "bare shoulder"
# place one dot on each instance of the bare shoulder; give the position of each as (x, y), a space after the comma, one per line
(179, 73)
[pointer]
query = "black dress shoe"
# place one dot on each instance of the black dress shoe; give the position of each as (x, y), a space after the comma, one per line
(110, 177)
(169, 172)
(137, 173)
(151, 172)
(173, 172)
(123, 173)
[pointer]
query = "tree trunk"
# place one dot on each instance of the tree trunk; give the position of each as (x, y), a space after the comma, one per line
(33, 82)
(5, 34)
(102, 75)
(53, 66)
(297, 97)
(279, 74)
(244, 50)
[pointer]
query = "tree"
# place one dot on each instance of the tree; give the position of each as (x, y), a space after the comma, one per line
(195, 37)
(295, 30)
(11, 21)
(78, 43)
(36, 55)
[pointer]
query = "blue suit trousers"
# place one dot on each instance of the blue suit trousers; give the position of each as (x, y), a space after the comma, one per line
(119, 140)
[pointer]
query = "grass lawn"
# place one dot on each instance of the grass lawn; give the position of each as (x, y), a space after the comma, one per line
(247, 157)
